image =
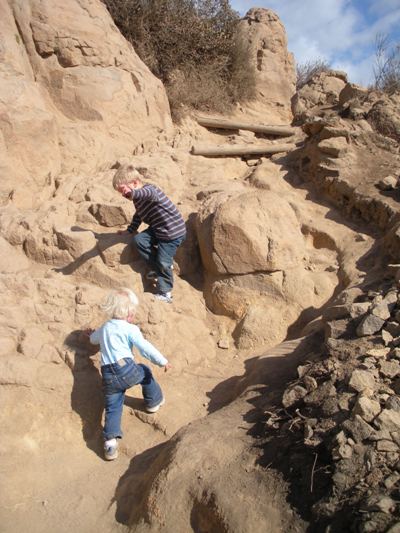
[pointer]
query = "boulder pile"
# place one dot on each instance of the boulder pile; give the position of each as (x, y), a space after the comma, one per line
(342, 417)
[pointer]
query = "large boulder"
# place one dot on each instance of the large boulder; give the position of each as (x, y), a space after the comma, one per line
(263, 32)
(69, 80)
(249, 232)
(256, 261)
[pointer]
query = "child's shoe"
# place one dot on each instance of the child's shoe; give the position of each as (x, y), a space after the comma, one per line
(164, 297)
(111, 449)
(155, 408)
(152, 275)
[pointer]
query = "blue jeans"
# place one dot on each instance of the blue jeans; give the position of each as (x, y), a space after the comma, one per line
(159, 255)
(116, 380)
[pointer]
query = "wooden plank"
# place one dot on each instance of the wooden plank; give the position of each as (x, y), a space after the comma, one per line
(240, 149)
(221, 123)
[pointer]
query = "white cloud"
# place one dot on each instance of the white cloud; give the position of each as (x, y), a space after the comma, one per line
(360, 73)
(341, 32)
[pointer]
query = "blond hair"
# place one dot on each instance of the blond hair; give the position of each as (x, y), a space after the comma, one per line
(126, 174)
(120, 303)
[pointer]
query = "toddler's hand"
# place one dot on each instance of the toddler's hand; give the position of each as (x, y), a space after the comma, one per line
(167, 367)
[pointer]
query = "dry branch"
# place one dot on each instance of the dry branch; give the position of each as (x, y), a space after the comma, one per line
(215, 122)
(240, 149)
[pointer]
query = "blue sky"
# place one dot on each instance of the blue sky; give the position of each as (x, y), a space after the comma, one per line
(342, 32)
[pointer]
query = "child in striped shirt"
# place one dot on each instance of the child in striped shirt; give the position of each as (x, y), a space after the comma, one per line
(166, 230)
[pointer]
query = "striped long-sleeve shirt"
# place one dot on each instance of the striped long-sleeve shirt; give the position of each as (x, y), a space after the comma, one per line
(154, 208)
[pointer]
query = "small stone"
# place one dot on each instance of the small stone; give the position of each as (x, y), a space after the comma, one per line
(391, 481)
(361, 379)
(391, 458)
(381, 310)
(223, 343)
(368, 409)
(368, 363)
(359, 309)
(341, 481)
(386, 337)
(381, 503)
(358, 428)
(336, 312)
(317, 396)
(389, 369)
(310, 383)
(388, 420)
(345, 400)
(369, 325)
(378, 353)
(335, 329)
(386, 446)
(387, 184)
(341, 438)
(393, 402)
(293, 395)
(345, 451)
(395, 436)
(302, 370)
(370, 526)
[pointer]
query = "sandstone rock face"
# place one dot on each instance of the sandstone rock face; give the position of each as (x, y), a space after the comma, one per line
(275, 68)
(73, 92)
(323, 89)
(256, 249)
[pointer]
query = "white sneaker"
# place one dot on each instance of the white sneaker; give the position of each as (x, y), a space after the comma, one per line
(164, 297)
(155, 408)
(111, 449)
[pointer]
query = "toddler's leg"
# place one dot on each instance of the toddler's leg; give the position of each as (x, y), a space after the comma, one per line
(151, 390)
(113, 404)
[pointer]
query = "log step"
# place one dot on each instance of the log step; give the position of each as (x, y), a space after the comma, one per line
(240, 149)
(216, 122)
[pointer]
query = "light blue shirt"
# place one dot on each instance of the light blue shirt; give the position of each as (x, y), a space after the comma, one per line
(118, 337)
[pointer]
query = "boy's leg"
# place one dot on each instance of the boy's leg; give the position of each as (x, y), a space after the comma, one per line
(165, 255)
(145, 242)
(151, 390)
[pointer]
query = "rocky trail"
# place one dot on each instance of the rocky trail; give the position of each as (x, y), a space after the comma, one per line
(282, 409)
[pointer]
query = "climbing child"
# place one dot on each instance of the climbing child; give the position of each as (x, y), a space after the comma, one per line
(157, 244)
(119, 370)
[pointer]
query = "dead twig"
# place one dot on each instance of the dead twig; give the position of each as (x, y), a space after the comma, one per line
(312, 472)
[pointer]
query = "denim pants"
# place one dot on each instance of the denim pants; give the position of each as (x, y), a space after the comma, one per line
(159, 255)
(116, 380)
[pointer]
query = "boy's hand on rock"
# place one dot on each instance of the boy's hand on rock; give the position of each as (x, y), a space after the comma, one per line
(167, 367)
(122, 232)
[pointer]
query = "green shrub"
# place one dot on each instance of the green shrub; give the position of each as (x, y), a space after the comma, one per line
(191, 46)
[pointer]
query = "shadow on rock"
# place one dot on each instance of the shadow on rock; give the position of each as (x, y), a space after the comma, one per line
(262, 385)
(86, 395)
(134, 486)
(263, 373)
